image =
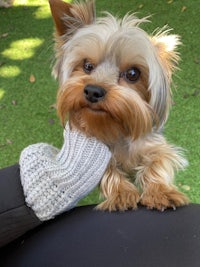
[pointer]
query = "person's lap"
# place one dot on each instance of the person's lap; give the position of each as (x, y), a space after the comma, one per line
(15, 217)
(86, 237)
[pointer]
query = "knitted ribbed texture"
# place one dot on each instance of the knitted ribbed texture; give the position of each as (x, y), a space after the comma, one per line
(54, 181)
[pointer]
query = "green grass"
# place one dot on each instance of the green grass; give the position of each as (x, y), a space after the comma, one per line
(27, 90)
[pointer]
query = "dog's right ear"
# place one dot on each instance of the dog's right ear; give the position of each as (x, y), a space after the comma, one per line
(70, 17)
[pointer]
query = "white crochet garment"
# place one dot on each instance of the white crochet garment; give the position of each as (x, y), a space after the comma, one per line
(54, 181)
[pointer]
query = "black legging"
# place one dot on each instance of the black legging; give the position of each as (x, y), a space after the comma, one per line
(84, 237)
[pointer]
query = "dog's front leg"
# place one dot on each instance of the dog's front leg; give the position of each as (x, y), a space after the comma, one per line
(155, 176)
(120, 194)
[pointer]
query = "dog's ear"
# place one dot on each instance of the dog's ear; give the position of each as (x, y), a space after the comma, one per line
(70, 17)
(166, 47)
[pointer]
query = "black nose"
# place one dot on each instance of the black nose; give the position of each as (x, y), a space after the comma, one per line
(94, 93)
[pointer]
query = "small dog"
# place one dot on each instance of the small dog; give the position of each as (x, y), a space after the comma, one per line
(115, 85)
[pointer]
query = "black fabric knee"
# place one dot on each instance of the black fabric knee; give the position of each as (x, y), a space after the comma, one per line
(85, 237)
(15, 217)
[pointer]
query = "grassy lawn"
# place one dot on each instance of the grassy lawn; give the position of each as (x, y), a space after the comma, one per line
(28, 92)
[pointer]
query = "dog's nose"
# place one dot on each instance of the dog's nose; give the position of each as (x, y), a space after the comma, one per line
(94, 93)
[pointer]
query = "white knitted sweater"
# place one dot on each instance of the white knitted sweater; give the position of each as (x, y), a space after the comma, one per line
(55, 180)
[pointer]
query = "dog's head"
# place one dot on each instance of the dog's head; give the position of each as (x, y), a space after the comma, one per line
(114, 78)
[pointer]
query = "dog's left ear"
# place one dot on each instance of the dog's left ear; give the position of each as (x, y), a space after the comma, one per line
(166, 46)
(70, 17)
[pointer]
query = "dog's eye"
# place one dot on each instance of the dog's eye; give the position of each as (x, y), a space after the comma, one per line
(131, 75)
(88, 67)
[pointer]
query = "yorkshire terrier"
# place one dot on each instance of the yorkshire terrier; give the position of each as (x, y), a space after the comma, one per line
(114, 84)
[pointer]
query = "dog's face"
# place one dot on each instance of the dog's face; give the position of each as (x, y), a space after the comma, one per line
(114, 78)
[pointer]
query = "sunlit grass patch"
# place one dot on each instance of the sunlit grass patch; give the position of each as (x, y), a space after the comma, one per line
(33, 2)
(30, 3)
(43, 12)
(2, 92)
(22, 49)
(9, 71)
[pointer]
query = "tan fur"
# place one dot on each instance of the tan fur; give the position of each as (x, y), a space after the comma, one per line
(120, 194)
(104, 120)
(162, 196)
(130, 117)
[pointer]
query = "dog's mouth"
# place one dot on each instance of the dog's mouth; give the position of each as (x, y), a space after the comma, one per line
(95, 109)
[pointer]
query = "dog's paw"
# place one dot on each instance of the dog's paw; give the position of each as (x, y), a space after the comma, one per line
(122, 200)
(161, 197)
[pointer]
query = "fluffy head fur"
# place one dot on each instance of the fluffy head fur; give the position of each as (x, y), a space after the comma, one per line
(115, 85)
